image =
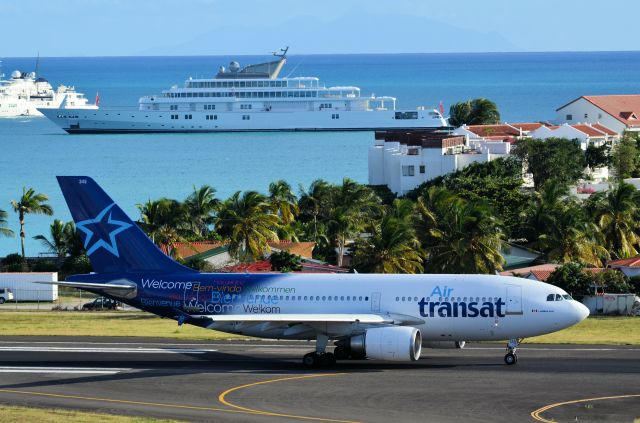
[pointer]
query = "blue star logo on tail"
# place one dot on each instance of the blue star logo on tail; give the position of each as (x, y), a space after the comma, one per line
(101, 227)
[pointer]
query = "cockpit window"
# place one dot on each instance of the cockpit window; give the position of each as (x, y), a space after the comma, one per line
(558, 297)
(567, 297)
(550, 297)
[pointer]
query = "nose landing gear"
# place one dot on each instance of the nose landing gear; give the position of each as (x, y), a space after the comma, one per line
(511, 357)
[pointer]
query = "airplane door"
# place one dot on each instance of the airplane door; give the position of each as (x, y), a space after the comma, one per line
(375, 302)
(514, 300)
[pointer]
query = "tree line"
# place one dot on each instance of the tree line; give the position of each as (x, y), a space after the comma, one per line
(459, 223)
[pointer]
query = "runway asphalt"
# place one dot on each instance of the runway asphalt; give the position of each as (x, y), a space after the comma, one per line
(264, 381)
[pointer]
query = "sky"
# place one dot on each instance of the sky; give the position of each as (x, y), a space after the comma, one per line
(212, 27)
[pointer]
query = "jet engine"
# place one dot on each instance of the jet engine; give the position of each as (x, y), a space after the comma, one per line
(395, 343)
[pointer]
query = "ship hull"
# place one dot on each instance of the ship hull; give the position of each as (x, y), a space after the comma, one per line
(80, 121)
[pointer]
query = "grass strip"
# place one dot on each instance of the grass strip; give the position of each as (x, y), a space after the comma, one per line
(12, 414)
(71, 323)
(594, 330)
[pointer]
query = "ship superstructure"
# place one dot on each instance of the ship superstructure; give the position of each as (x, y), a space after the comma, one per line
(25, 92)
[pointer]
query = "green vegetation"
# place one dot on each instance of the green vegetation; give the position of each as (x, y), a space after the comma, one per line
(12, 414)
(30, 203)
(4, 231)
(458, 223)
(479, 111)
(595, 330)
(73, 323)
(284, 261)
(625, 156)
(556, 159)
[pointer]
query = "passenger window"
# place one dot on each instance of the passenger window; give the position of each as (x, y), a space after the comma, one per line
(397, 298)
(404, 298)
(342, 298)
(415, 298)
(366, 298)
(550, 297)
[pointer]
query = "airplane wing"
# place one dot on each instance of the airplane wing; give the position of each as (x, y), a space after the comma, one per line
(393, 319)
(92, 285)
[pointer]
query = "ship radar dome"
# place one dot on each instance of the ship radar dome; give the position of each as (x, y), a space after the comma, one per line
(221, 69)
(31, 75)
(16, 74)
(234, 66)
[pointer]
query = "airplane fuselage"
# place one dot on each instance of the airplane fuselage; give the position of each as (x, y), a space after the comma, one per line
(442, 307)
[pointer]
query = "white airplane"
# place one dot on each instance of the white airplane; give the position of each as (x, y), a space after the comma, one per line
(384, 317)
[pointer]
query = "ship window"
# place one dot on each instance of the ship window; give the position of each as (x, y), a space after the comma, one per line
(188, 116)
(173, 107)
(242, 84)
(246, 117)
(272, 94)
(406, 115)
(569, 117)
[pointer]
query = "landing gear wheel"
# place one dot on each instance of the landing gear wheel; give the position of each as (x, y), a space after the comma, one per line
(340, 353)
(327, 360)
(310, 360)
(460, 344)
(511, 358)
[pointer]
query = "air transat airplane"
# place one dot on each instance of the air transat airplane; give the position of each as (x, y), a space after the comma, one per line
(385, 317)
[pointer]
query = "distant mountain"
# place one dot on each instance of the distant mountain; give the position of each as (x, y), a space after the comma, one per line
(351, 33)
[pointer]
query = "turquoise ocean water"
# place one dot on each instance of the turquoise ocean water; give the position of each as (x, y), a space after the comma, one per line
(134, 168)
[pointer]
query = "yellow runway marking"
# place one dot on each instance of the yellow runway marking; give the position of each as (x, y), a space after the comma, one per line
(117, 401)
(536, 414)
(223, 400)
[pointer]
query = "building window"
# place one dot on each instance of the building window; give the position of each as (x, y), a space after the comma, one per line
(422, 168)
(413, 152)
(408, 170)
(569, 117)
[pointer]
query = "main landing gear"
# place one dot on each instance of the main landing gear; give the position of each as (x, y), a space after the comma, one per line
(511, 356)
(319, 358)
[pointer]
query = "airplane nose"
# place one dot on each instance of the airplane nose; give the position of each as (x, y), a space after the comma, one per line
(582, 312)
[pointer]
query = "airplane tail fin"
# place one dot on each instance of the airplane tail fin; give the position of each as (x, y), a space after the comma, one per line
(114, 243)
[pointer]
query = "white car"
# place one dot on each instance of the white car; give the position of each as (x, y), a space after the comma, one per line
(5, 295)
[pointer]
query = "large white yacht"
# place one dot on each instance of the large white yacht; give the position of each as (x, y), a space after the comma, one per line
(252, 98)
(24, 93)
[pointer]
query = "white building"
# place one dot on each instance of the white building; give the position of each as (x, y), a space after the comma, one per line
(588, 134)
(403, 161)
(618, 112)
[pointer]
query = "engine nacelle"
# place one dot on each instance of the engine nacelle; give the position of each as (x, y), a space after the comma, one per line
(396, 343)
(444, 345)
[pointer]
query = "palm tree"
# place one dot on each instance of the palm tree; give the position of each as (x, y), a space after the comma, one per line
(479, 111)
(616, 216)
(392, 248)
(571, 237)
(459, 236)
(314, 201)
(4, 231)
(249, 223)
(201, 205)
(165, 221)
(30, 203)
(546, 204)
(283, 201)
(352, 205)
(58, 244)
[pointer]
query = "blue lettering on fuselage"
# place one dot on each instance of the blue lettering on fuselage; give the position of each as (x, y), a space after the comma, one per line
(461, 308)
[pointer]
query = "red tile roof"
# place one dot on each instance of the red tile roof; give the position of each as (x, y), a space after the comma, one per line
(542, 271)
(493, 130)
(527, 127)
(628, 262)
(188, 249)
(589, 130)
(625, 108)
(604, 129)
(264, 266)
